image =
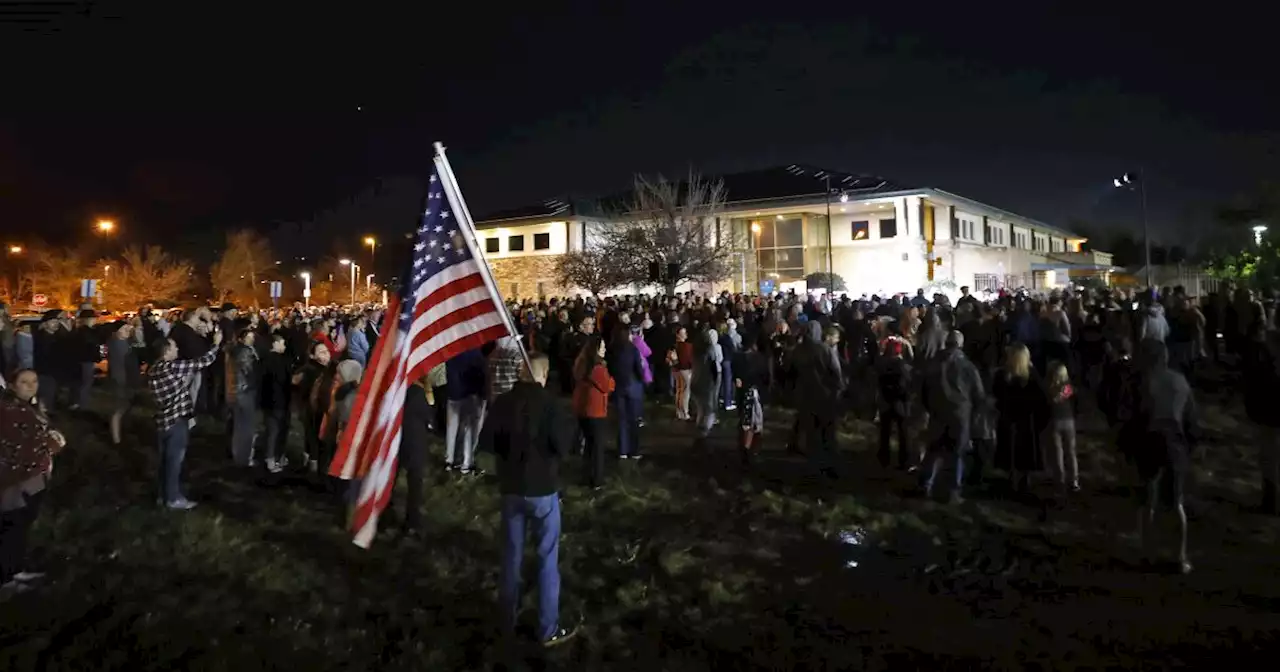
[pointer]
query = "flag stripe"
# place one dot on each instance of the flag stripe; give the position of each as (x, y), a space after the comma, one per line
(446, 306)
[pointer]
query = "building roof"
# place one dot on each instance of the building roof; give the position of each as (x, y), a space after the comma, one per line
(798, 181)
(793, 181)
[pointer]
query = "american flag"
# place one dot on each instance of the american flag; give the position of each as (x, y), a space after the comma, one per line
(444, 307)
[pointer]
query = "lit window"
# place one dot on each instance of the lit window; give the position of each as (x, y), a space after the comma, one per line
(861, 230)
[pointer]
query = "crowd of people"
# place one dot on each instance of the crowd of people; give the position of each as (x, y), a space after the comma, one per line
(989, 389)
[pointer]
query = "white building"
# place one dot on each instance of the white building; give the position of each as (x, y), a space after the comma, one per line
(798, 220)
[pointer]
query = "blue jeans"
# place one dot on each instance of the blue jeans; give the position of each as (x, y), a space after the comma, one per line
(953, 443)
(173, 449)
(727, 391)
(629, 409)
(244, 420)
(542, 514)
(87, 372)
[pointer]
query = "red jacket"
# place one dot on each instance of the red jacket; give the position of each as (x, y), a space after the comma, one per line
(591, 394)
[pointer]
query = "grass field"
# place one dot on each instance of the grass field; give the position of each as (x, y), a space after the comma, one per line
(685, 561)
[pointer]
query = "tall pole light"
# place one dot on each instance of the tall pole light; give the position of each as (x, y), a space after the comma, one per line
(1132, 181)
(831, 287)
(355, 268)
(373, 249)
(755, 234)
(306, 289)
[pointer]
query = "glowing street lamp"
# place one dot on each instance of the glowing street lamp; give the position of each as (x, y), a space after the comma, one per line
(306, 289)
(355, 268)
(106, 226)
(373, 248)
(1258, 230)
(1135, 182)
(15, 249)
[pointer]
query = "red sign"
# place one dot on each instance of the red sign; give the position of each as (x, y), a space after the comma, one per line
(39, 300)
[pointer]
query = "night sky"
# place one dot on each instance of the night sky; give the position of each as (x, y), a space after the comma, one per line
(181, 123)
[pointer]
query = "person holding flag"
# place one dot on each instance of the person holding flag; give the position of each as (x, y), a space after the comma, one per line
(446, 305)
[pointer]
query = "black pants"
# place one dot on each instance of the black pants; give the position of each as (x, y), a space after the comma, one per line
(593, 459)
(893, 422)
(277, 421)
(15, 526)
(822, 440)
(416, 475)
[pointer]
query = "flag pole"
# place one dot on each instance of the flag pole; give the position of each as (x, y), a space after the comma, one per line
(467, 228)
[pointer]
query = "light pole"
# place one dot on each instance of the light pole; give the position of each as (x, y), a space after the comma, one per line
(831, 258)
(373, 249)
(355, 268)
(15, 250)
(306, 289)
(1258, 230)
(755, 233)
(1137, 181)
(368, 284)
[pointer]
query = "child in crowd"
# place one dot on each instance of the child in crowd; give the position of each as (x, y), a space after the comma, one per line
(1062, 427)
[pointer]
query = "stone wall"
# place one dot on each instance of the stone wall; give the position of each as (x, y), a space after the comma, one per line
(519, 277)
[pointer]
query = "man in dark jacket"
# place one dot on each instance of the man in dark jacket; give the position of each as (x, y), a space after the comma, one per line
(277, 394)
(895, 384)
(242, 396)
(415, 431)
(952, 388)
(526, 432)
(819, 386)
(87, 349)
(571, 345)
(628, 375)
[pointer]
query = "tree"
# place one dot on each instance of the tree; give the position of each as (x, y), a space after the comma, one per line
(238, 272)
(674, 225)
(593, 270)
(56, 273)
(823, 280)
(145, 275)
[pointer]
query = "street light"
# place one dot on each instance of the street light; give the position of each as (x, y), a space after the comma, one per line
(106, 226)
(373, 248)
(355, 268)
(1132, 181)
(15, 249)
(306, 289)
(1258, 230)
(755, 232)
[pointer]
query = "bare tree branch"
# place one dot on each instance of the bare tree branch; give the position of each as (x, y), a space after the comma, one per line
(675, 225)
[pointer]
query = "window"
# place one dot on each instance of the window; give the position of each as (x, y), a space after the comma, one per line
(790, 233)
(491, 245)
(541, 241)
(888, 228)
(515, 244)
(985, 282)
(861, 229)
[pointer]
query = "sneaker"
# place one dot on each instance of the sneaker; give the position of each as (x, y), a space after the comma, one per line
(624, 457)
(282, 462)
(471, 471)
(28, 577)
(641, 422)
(731, 407)
(448, 467)
(637, 457)
(1075, 486)
(560, 636)
(274, 466)
(183, 504)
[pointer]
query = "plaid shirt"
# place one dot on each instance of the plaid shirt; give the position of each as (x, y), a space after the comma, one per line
(169, 383)
(504, 367)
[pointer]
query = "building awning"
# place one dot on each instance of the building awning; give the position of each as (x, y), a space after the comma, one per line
(1072, 267)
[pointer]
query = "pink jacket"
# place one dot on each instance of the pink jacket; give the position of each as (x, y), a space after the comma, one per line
(645, 352)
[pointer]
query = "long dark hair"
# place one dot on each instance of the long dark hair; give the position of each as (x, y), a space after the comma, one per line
(589, 358)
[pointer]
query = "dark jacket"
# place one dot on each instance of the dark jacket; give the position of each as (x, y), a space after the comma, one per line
(242, 371)
(415, 428)
(952, 388)
(626, 368)
(895, 381)
(526, 430)
(277, 382)
(465, 374)
(85, 345)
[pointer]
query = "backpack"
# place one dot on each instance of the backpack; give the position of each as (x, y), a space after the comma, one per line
(893, 381)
